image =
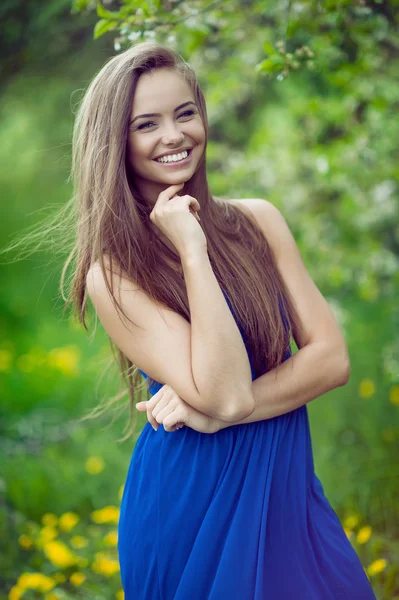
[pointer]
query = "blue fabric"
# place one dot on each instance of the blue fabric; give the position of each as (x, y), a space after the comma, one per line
(235, 515)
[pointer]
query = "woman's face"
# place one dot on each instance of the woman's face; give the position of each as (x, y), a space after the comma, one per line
(164, 120)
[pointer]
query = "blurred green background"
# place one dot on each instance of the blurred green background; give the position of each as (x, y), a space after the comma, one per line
(302, 104)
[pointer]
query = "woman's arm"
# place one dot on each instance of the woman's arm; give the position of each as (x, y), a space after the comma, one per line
(311, 372)
(219, 390)
(322, 362)
(219, 358)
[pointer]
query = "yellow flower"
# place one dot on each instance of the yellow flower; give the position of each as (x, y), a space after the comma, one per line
(376, 567)
(120, 494)
(108, 514)
(120, 595)
(36, 581)
(65, 360)
(363, 535)
(15, 593)
(94, 465)
(351, 521)
(59, 554)
(59, 577)
(78, 541)
(68, 520)
(77, 578)
(366, 388)
(348, 533)
(5, 361)
(105, 565)
(394, 395)
(50, 519)
(51, 596)
(46, 534)
(25, 542)
(111, 539)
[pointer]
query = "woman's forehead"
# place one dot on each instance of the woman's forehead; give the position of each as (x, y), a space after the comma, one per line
(162, 88)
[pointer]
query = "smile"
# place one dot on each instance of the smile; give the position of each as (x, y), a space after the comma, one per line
(182, 158)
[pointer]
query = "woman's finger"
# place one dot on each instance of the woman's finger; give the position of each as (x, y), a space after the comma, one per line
(165, 412)
(168, 194)
(173, 421)
(161, 405)
(152, 420)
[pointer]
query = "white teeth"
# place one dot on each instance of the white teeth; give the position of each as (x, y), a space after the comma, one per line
(173, 157)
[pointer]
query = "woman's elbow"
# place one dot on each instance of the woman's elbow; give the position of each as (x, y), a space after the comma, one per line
(240, 409)
(344, 372)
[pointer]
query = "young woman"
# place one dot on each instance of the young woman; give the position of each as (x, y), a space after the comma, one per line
(203, 296)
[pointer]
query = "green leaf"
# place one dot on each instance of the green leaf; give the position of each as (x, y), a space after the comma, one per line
(268, 48)
(266, 65)
(79, 5)
(106, 14)
(102, 26)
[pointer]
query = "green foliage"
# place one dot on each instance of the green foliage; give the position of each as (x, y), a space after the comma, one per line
(302, 111)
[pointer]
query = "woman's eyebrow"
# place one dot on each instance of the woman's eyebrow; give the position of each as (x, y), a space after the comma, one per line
(158, 114)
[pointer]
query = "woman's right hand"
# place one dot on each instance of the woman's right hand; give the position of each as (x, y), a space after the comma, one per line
(173, 412)
(174, 216)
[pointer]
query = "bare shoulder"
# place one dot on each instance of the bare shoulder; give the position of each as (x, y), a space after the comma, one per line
(259, 206)
(95, 280)
(268, 218)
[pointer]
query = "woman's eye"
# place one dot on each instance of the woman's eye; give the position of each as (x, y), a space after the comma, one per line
(144, 125)
(186, 113)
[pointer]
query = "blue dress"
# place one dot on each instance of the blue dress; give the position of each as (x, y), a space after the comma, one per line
(235, 515)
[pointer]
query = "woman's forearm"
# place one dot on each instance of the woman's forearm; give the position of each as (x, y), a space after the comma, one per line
(312, 371)
(220, 364)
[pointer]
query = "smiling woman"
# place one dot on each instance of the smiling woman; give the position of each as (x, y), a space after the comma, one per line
(225, 461)
(167, 135)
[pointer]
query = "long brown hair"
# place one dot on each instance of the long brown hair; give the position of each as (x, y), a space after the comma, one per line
(113, 227)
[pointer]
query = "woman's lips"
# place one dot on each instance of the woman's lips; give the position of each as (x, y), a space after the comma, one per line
(180, 163)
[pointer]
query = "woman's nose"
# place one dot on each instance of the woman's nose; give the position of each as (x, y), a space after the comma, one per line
(172, 135)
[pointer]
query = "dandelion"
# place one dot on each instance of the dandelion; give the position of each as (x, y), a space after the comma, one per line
(364, 534)
(394, 395)
(68, 520)
(59, 554)
(50, 519)
(77, 578)
(78, 541)
(120, 595)
(59, 577)
(35, 581)
(377, 566)
(366, 388)
(94, 465)
(15, 593)
(46, 534)
(5, 361)
(65, 360)
(111, 539)
(351, 521)
(108, 514)
(25, 542)
(348, 533)
(105, 565)
(51, 596)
